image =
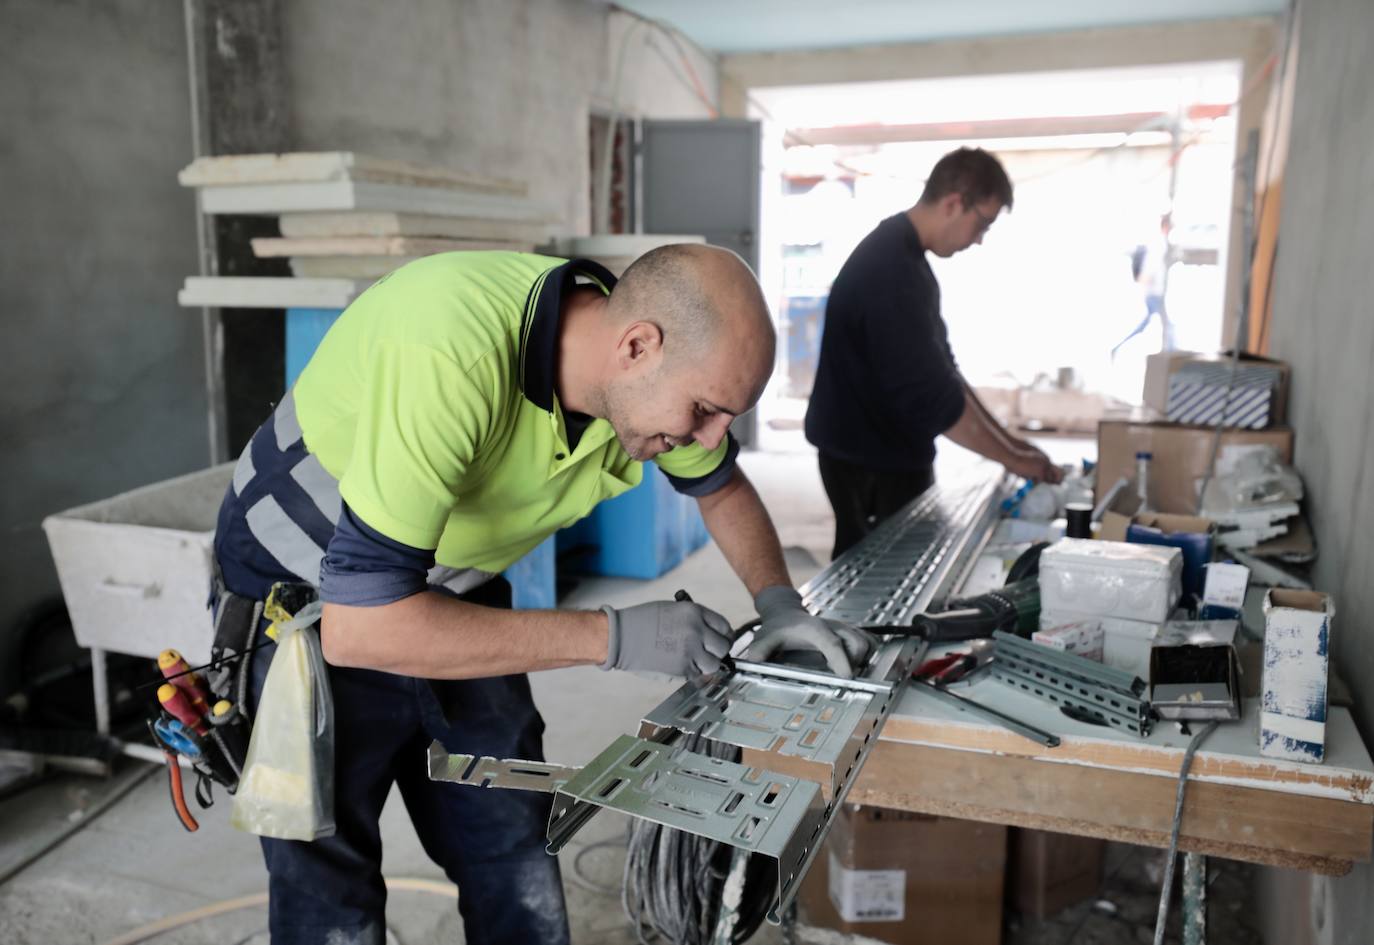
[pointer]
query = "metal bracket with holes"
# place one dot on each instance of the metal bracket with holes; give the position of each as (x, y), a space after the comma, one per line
(747, 807)
(1111, 696)
(815, 723)
(821, 722)
(491, 772)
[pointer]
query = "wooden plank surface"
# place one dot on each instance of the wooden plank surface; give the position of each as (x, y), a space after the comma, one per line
(270, 246)
(1229, 756)
(1262, 826)
(382, 223)
(306, 166)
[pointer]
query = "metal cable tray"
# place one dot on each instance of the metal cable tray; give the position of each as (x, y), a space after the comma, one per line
(899, 568)
(749, 807)
(1112, 696)
(823, 725)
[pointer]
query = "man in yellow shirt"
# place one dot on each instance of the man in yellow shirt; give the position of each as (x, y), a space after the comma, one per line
(460, 411)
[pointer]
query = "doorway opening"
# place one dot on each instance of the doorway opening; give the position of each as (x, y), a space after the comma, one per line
(1121, 177)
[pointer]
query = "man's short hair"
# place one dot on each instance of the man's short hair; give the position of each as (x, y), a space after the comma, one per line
(973, 174)
(664, 287)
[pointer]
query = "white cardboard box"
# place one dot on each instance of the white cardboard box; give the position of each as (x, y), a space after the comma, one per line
(1125, 643)
(135, 569)
(1081, 637)
(1297, 638)
(1111, 579)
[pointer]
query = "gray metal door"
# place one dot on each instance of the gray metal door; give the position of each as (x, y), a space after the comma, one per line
(702, 177)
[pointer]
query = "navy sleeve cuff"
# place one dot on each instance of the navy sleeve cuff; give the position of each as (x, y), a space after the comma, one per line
(364, 568)
(698, 486)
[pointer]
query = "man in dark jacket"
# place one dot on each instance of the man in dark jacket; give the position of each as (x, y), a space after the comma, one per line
(887, 383)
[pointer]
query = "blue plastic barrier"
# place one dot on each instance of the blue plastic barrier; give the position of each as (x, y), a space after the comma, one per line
(640, 534)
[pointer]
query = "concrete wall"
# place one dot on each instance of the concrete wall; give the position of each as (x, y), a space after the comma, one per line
(105, 376)
(1324, 326)
(103, 372)
(500, 88)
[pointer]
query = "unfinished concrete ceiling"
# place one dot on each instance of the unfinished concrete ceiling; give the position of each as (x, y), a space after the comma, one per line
(729, 26)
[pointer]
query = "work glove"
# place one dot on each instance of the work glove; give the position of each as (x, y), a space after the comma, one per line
(679, 638)
(785, 624)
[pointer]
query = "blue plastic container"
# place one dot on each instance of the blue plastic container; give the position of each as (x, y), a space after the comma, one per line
(643, 533)
(1196, 548)
(305, 328)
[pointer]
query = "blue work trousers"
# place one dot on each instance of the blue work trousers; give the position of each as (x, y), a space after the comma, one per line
(490, 843)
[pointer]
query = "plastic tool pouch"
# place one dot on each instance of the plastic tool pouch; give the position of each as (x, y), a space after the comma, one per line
(287, 788)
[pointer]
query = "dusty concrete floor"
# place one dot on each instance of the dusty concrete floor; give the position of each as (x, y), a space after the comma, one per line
(133, 865)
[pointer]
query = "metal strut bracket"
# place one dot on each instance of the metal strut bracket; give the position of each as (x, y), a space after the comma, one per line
(1111, 696)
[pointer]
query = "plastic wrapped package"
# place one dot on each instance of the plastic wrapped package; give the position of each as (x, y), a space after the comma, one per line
(1111, 579)
(1251, 477)
(287, 789)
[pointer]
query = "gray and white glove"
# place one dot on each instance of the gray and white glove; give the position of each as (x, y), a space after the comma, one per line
(785, 624)
(674, 637)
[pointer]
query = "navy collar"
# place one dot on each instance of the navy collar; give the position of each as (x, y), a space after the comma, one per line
(539, 329)
(909, 234)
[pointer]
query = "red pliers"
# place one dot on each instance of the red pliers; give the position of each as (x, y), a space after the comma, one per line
(943, 670)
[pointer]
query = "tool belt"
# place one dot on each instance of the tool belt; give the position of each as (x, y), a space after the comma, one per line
(203, 713)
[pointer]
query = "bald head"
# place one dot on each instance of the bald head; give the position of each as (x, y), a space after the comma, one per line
(698, 296)
(687, 346)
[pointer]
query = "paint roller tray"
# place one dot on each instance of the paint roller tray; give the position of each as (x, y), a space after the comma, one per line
(1192, 681)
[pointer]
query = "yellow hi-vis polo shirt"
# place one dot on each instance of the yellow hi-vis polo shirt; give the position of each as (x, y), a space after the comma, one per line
(431, 401)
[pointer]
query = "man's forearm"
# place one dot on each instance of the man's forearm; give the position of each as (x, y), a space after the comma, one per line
(993, 425)
(977, 430)
(740, 525)
(437, 637)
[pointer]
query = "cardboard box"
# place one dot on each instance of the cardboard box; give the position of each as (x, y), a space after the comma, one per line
(1181, 454)
(1125, 643)
(1194, 670)
(1081, 637)
(1209, 400)
(1297, 638)
(908, 879)
(1223, 591)
(1159, 368)
(1110, 579)
(1049, 872)
(135, 568)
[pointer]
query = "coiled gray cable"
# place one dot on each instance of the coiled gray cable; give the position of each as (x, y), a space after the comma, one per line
(672, 888)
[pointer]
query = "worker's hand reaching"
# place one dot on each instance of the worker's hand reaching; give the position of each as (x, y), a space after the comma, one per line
(674, 637)
(785, 624)
(1029, 462)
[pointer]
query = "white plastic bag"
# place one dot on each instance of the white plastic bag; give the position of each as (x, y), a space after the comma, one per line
(287, 789)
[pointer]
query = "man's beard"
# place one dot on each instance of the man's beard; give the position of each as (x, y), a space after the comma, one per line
(613, 406)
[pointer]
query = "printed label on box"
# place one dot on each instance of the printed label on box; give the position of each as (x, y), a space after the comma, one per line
(867, 895)
(1082, 638)
(1225, 585)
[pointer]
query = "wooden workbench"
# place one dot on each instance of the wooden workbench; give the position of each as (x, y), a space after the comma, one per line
(935, 759)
